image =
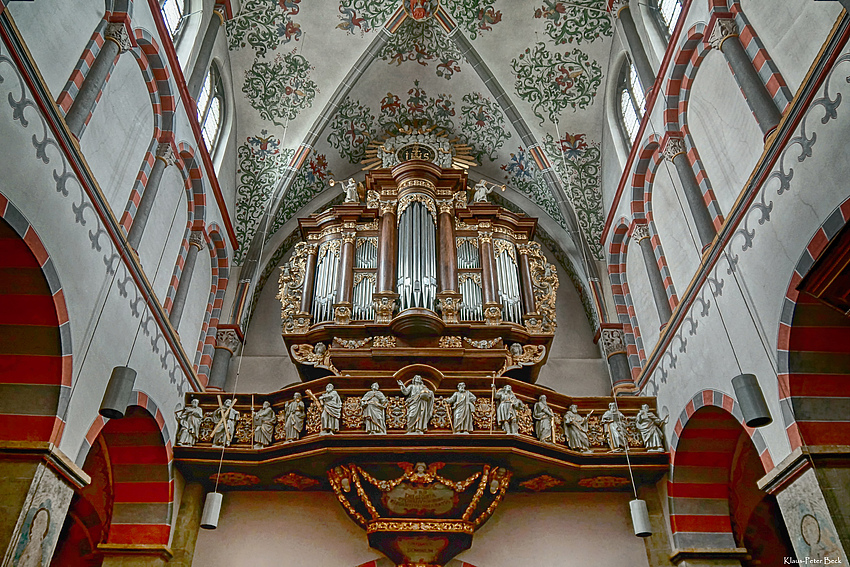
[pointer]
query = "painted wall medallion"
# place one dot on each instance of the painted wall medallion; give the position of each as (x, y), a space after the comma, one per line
(420, 10)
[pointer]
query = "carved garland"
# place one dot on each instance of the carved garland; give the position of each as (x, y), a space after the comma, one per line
(544, 280)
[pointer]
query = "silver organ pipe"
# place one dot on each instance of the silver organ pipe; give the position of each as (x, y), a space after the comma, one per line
(471, 308)
(417, 254)
(468, 257)
(326, 277)
(508, 276)
(365, 258)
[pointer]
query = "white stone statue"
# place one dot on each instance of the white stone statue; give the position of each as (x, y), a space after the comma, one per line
(462, 405)
(264, 421)
(189, 424)
(575, 430)
(543, 417)
(480, 191)
(649, 425)
(373, 406)
(293, 418)
(350, 189)
(331, 410)
(420, 405)
(506, 414)
(225, 418)
(614, 424)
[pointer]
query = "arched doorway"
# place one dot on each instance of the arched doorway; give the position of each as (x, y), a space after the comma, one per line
(715, 502)
(128, 504)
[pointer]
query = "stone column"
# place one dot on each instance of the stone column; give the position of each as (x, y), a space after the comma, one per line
(448, 298)
(640, 234)
(202, 63)
(164, 157)
(345, 280)
(529, 305)
(614, 347)
(196, 244)
(724, 36)
(645, 73)
(187, 525)
(489, 285)
(674, 150)
(226, 342)
(384, 299)
(116, 41)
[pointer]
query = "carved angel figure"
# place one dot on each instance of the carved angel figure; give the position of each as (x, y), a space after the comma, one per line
(420, 404)
(189, 424)
(506, 414)
(264, 421)
(614, 424)
(374, 405)
(480, 191)
(294, 418)
(649, 425)
(575, 430)
(543, 417)
(462, 404)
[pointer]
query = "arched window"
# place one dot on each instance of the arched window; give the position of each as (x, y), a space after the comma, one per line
(632, 101)
(211, 107)
(173, 12)
(669, 12)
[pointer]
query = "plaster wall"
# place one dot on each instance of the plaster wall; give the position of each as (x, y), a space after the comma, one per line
(724, 129)
(644, 303)
(56, 36)
(779, 26)
(674, 225)
(196, 303)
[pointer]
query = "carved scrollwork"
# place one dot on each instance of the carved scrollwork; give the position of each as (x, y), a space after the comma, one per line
(342, 314)
(291, 282)
(525, 420)
(314, 419)
(440, 418)
(501, 246)
(493, 315)
(373, 198)
(544, 280)
(460, 225)
(451, 342)
(280, 426)
(396, 413)
(352, 416)
(318, 356)
(384, 341)
(449, 307)
(483, 414)
(405, 201)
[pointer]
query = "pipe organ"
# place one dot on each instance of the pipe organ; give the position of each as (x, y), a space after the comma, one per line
(419, 266)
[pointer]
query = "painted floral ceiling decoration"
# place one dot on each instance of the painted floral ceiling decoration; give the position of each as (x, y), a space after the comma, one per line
(289, 57)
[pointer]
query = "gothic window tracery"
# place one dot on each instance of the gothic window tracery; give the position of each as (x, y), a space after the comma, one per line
(632, 101)
(211, 107)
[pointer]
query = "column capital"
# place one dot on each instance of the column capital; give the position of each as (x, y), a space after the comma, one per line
(165, 153)
(219, 11)
(612, 341)
(387, 207)
(485, 236)
(348, 237)
(618, 6)
(228, 339)
(117, 33)
(640, 231)
(196, 239)
(673, 145)
(445, 206)
(723, 29)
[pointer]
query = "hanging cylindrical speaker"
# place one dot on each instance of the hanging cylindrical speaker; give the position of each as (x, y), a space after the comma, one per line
(751, 400)
(212, 509)
(118, 390)
(640, 518)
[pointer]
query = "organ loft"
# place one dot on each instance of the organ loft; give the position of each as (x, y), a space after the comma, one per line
(419, 315)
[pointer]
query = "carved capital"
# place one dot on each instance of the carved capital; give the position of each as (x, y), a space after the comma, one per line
(301, 322)
(524, 248)
(450, 306)
(117, 33)
(723, 29)
(342, 314)
(165, 153)
(485, 236)
(674, 146)
(445, 206)
(196, 239)
(348, 237)
(618, 6)
(227, 339)
(219, 11)
(639, 232)
(612, 342)
(493, 315)
(311, 248)
(387, 207)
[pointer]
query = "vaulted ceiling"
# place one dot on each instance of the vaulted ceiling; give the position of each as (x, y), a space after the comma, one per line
(338, 74)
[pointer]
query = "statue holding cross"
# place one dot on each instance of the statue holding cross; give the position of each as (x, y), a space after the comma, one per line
(225, 418)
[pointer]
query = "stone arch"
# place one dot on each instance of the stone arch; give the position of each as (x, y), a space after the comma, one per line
(623, 304)
(220, 276)
(157, 78)
(715, 503)
(140, 458)
(35, 333)
(813, 352)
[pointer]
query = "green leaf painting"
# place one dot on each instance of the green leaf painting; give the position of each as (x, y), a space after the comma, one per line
(279, 89)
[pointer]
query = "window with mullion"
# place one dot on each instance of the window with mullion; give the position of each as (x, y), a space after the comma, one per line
(211, 107)
(632, 101)
(669, 12)
(172, 14)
